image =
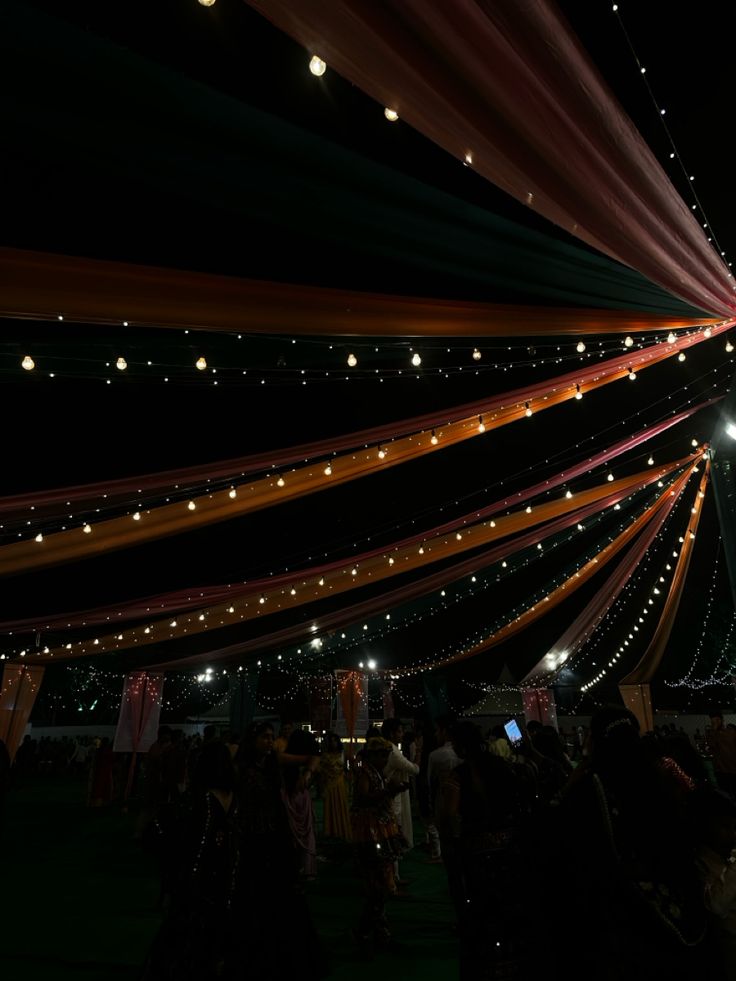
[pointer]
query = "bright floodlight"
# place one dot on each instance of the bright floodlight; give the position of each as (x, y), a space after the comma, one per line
(731, 430)
(371, 665)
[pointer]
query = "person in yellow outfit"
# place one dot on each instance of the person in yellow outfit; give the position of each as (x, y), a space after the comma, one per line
(334, 789)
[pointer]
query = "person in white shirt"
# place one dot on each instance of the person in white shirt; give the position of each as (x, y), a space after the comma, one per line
(442, 761)
(398, 770)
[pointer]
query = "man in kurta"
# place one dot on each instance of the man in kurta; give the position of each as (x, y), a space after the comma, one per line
(398, 770)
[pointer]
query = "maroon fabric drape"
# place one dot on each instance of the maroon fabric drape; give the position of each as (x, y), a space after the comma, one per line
(41, 285)
(193, 597)
(387, 601)
(585, 624)
(509, 88)
(591, 373)
(645, 670)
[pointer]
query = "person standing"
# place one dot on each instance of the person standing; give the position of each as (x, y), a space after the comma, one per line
(442, 761)
(378, 843)
(334, 790)
(398, 770)
(721, 742)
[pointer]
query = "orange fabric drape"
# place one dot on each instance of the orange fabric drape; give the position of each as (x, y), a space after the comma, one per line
(638, 699)
(40, 285)
(554, 598)
(255, 601)
(172, 519)
(351, 687)
(20, 687)
(652, 658)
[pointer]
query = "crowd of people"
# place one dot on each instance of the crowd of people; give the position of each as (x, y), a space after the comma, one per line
(603, 853)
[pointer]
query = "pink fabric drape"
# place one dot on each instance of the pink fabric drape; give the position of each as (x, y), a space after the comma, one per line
(386, 601)
(140, 710)
(194, 597)
(352, 689)
(645, 670)
(591, 373)
(20, 687)
(585, 624)
(507, 87)
(539, 706)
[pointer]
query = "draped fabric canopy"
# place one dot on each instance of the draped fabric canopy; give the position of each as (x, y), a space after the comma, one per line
(155, 205)
(508, 87)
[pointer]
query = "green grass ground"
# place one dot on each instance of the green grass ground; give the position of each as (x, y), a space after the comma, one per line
(78, 899)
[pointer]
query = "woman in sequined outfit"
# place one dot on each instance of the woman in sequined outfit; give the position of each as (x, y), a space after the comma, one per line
(377, 841)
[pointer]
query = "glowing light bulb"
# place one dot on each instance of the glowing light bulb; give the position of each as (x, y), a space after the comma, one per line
(693, 442)
(481, 425)
(327, 471)
(729, 347)
(262, 600)
(192, 506)
(707, 332)
(381, 453)
(207, 3)
(121, 364)
(201, 364)
(390, 114)
(354, 571)
(292, 591)
(580, 347)
(391, 561)
(416, 359)
(322, 581)
(317, 66)
(173, 623)
(632, 375)
(137, 516)
(568, 494)
(232, 493)
(469, 159)
(671, 338)
(650, 461)
(352, 360)
(610, 476)
(281, 482)
(628, 341)
(434, 441)
(28, 363)
(681, 356)
(476, 354)
(39, 537)
(528, 411)
(87, 529)
(578, 393)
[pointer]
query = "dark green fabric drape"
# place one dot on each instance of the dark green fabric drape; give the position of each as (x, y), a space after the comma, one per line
(120, 157)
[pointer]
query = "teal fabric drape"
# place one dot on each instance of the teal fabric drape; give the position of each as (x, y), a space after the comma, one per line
(109, 144)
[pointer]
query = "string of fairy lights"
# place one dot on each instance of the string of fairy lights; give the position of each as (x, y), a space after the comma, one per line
(723, 667)
(418, 365)
(674, 153)
(456, 647)
(655, 595)
(18, 527)
(374, 629)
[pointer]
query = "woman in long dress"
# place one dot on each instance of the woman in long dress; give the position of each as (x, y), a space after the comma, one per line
(378, 844)
(334, 789)
(298, 764)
